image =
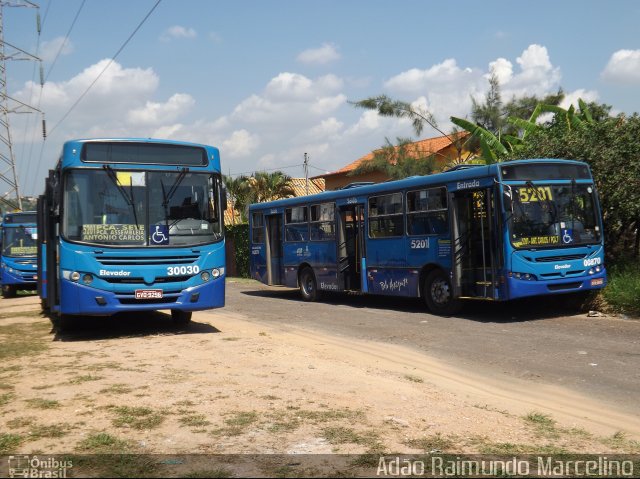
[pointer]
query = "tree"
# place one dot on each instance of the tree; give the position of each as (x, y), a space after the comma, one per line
(270, 186)
(239, 194)
(397, 162)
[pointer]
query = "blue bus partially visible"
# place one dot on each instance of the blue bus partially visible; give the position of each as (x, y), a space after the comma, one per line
(19, 252)
(494, 232)
(132, 225)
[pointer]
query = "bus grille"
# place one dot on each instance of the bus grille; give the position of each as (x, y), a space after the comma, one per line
(553, 259)
(560, 287)
(124, 261)
(165, 279)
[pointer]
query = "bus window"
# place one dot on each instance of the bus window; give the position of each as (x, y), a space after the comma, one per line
(427, 212)
(385, 216)
(322, 222)
(296, 225)
(257, 228)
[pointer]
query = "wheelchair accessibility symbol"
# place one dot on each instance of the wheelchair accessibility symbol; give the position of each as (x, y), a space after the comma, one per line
(160, 235)
(567, 236)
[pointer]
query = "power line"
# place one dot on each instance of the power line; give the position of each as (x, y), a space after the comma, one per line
(64, 42)
(265, 169)
(64, 117)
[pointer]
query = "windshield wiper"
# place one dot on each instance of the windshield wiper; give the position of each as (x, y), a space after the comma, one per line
(129, 200)
(166, 197)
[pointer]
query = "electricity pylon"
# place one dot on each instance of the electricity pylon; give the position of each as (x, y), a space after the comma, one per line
(8, 174)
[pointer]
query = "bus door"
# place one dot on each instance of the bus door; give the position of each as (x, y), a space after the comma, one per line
(475, 243)
(275, 262)
(350, 244)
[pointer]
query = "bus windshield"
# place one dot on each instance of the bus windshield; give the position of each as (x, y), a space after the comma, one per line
(19, 241)
(552, 215)
(141, 208)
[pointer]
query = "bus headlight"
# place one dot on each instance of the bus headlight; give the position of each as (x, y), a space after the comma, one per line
(215, 272)
(205, 276)
(75, 276)
(87, 279)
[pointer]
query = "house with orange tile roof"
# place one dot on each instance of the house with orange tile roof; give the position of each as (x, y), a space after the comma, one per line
(446, 150)
(299, 186)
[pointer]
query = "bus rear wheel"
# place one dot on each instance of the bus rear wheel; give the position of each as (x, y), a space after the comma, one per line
(181, 318)
(308, 285)
(438, 294)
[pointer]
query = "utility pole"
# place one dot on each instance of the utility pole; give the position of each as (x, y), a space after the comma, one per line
(306, 173)
(8, 174)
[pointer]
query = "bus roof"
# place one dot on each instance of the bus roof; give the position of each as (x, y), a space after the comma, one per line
(19, 217)
(455, 174)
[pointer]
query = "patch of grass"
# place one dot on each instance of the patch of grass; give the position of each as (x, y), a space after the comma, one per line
(194, 420)
(237, 423)
(210, 473)
(103, 443)
(413, 379)
(50, 431)
(622, 293)
(435, 442)
(9, 442)
(270, 397)
(344, 435)
(136, 417)
(39, 403)
(6, 398)
(19, 340)
(6, 386)
(118, 388)
(543, 424)
(20, 422)
(232, 338)
(619, 440)
(83, 379)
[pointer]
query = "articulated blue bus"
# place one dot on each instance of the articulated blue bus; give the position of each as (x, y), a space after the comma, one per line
(494, 232)
(18, 262)
(132, 225)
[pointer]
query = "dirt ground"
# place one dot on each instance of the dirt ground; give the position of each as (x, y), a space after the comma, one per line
(226, 385)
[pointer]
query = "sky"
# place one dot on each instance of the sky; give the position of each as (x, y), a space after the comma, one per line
(267, 81)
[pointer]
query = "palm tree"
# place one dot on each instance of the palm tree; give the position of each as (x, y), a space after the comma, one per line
(240, 195)
(271, 186)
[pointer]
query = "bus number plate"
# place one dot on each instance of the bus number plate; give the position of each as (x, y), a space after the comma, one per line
(148, 294)
(597, 281)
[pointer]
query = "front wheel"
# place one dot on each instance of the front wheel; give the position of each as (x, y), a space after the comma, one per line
(308, 285)
(438, 294)
(181, 318)
(8, 290)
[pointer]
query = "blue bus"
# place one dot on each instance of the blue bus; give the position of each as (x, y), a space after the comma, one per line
(18, 262)
(493, 232)
(132, 225)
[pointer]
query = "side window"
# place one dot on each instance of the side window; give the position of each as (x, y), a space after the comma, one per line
(322, 224)
(385, 216)
(257, 228)
(296, 224)
(427, 212)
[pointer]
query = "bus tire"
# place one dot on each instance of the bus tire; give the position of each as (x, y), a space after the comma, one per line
(181, 318)
(308, 285)
(438, 294)
(8, 291)
(64, 322)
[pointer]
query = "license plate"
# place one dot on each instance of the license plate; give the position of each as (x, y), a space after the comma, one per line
(597, 281)
(148, 293)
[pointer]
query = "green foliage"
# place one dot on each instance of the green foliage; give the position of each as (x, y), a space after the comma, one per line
(623, 291)
(397, 162)
(239, 235)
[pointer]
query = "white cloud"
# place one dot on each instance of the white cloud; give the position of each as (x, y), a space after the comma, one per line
(319, 56)
(240, 143)
(154, 113)
(502, 68)
(623, 67)
(537, 75)
(571, 98)
(49, 49)
(177, 32)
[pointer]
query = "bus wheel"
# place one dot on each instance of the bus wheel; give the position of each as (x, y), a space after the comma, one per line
(65, 322)
(8, 291)
(181, 318)
(308, 285)
(438, 294)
